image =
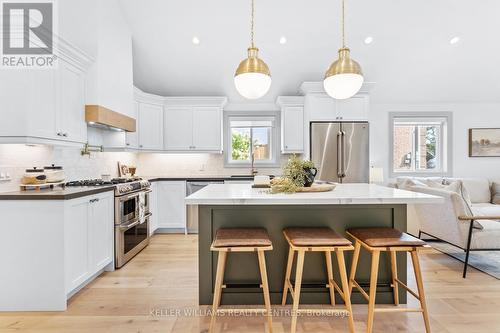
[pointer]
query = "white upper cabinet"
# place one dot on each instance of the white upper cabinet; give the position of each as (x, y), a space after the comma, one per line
(292, 124)
(354, 108)
(71, 98)
(45, 105)
(132, 138)
(193, 124)
(321, 107)
(178, 128)
(150, 127)
(207, 128)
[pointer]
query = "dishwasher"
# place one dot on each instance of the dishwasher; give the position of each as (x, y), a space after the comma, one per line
(192, 210)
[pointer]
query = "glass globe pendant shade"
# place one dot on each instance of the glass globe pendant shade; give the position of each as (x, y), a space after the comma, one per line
(344, 78)
(252, 78)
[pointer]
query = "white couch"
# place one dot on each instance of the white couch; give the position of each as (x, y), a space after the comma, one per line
(467, 200)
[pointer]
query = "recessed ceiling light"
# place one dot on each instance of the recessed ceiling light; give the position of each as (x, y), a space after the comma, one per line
(283, 40)
(454, 40)
(196, 40)
(368, 40)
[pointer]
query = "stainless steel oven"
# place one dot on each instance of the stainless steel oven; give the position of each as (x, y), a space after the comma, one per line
(130, 239)
(130, 207)
(132, 215)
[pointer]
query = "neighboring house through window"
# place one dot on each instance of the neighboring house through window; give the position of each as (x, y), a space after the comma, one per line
(420, 144)
(247, 135)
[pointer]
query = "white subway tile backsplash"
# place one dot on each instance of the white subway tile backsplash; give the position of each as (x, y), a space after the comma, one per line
(14, 159)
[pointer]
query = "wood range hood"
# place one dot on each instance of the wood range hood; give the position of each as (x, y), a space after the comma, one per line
(99, 116)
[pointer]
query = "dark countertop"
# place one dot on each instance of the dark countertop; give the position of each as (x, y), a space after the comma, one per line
(59, 193)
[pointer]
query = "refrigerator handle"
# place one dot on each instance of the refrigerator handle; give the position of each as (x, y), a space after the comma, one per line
(343, 155)
(339, 152)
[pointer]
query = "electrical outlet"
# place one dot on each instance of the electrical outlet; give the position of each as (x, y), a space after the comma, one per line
(5, 176)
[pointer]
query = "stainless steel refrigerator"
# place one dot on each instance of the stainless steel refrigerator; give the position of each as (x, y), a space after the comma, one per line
(340, 151)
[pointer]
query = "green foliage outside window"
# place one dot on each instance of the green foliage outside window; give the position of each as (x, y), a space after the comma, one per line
(240, 144)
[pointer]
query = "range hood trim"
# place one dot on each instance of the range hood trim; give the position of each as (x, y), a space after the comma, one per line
(101, 116)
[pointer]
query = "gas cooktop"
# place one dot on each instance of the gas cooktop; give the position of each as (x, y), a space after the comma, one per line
(100, 182)
(122, 185)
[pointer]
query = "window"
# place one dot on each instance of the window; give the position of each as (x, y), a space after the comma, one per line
(251, 135)
(420, 143)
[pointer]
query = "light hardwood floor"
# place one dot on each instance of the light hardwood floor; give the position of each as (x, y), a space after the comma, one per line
(163, 277)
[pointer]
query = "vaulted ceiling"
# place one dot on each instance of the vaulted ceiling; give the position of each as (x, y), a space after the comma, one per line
(410, 59)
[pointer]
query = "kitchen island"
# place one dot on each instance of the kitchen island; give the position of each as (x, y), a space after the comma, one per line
(347, 206)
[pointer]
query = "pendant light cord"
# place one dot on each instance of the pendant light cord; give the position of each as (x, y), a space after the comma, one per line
(252, 25)
(343, 23)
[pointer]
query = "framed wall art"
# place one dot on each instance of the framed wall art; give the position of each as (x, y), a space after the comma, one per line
(484, 142)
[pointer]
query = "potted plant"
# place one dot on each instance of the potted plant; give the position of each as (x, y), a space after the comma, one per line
(300, 172)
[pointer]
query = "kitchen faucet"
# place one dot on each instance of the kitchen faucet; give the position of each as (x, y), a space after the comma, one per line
(253, 170)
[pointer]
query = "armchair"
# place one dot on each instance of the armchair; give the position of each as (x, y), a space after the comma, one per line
(455, 223)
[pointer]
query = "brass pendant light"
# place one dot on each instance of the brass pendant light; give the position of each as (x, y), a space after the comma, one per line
(344, 77)
(252, 78)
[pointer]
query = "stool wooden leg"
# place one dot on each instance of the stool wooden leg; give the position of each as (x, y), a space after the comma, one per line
(328, 257)
(354, 264)
(420, 286)
(345, 288)
(373, 290)
(219, 278)
(287, 275)
(265, 288)
(394, 270)
(296, 289)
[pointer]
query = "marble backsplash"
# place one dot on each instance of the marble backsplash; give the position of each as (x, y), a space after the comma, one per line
(14, 159)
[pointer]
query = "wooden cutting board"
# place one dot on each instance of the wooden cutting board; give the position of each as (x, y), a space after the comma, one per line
(318, 188)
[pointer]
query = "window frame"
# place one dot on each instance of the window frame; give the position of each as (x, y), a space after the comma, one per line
(445, 143)
(274, 139)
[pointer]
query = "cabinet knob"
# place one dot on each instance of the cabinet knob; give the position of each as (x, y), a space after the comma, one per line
(65, 134)
(286, 147)
(140, 146)
(59, 134)
(128, 144)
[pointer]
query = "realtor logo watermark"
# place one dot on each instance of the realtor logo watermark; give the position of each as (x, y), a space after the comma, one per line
(28, 34)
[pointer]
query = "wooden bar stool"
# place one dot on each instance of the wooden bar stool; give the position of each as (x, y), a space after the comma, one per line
(376, 240)
(302, 240)
(241, 240)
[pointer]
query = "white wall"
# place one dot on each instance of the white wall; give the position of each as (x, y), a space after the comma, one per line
(465, 116)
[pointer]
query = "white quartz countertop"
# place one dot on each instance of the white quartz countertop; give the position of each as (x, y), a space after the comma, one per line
(343, 194)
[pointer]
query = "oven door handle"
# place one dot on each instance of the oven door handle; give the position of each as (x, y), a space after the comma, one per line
(130, 225)
(148, 215)
(127, 197)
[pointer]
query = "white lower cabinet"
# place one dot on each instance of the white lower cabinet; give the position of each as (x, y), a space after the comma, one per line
(88, 238)
(171, 205)
(153, 208)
